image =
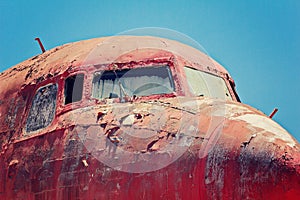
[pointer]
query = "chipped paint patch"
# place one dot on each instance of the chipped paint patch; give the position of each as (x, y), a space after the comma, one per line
(268, 125)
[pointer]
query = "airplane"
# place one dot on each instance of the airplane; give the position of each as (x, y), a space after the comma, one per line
(136, 117)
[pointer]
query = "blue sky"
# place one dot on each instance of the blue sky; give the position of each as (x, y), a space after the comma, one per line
(257, 41)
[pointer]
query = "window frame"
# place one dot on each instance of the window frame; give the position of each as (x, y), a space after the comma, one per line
(30, 105)
(170, 69)
(230, 97)
(64, 88)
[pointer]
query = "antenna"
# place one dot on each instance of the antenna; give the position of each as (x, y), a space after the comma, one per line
(273, 113)
(41, 45)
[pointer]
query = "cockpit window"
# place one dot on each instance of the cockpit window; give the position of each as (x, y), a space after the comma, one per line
(42, 108)
(142, 81)
(205, 84)
(73, 88)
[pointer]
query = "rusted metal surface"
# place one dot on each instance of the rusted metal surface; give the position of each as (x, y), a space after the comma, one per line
(171, 146)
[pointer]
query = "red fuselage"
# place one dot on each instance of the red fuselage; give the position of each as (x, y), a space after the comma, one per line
(133, 117)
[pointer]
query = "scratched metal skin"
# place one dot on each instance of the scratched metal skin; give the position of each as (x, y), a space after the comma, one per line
(204, 149)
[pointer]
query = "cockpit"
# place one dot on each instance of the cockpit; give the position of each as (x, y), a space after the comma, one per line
(147, 81)
(123, 84)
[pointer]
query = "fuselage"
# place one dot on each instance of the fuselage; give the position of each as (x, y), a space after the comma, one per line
(133, 117)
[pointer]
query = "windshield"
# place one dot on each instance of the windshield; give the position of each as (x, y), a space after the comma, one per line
(143, 81)
(205, 84)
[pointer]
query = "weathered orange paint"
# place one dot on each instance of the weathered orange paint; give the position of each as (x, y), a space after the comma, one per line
(215, 149)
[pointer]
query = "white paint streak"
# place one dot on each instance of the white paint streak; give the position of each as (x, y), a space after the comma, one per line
(268, 125)
(128, 121)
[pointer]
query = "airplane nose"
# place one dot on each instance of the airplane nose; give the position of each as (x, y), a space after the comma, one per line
(254, 157)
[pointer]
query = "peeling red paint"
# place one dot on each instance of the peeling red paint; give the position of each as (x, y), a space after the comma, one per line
(170, 146)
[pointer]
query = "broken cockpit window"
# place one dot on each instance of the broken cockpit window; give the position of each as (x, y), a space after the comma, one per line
(73, 88)
(42, 109)
(142, 81)
(205, 84)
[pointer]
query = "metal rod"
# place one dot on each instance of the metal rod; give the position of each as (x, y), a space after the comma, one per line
(41, 45)
(273, 113)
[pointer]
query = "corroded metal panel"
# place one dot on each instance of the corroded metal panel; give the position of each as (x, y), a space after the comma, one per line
(164, 146)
